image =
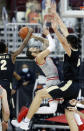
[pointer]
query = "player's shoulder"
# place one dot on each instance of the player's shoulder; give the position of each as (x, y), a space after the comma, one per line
(75, 53)
(4, 56)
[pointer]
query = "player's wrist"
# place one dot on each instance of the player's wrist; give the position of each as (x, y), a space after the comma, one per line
(30, 30)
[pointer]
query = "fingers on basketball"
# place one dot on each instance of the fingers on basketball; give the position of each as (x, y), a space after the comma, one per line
(23, 32)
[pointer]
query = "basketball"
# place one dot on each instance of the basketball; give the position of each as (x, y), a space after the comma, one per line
(23, 32)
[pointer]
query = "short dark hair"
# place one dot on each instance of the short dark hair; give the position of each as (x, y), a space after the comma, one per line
(29, 54)
(2, 47)
(74, 40)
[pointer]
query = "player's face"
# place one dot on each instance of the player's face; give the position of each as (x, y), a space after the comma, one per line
(35, 51)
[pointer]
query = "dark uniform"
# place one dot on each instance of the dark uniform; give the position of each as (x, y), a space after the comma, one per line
(25, 91)
(6, 72)
(69, 88)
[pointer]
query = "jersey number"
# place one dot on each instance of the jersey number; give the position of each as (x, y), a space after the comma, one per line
(3, 64)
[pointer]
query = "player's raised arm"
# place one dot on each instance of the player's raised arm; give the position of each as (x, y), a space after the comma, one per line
(41, 39)
(61, 38)
(23, 45)
(59, 20)
(62, 26)
(41, 57)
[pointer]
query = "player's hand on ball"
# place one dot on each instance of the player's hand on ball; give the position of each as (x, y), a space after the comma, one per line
(24, 31)
(30, 29)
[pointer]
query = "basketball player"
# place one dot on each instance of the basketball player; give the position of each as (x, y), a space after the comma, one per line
(6, 63)
(79, 104)
(45, 63)
(63, 27)
(5, 111)
(69, 88)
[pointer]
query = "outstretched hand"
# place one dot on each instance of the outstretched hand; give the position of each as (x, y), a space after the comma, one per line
(54, 13)
(53, 7)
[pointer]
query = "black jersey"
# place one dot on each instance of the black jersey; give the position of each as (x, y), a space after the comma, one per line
(6, 67)
(71, 66)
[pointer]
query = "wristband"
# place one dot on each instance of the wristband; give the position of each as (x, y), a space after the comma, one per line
(51, 47)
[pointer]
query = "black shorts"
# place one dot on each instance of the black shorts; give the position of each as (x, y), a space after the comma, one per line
(6, 85)
(66, 89)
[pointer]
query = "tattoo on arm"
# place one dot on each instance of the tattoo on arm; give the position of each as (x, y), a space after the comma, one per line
(23, 45)
(43, 40)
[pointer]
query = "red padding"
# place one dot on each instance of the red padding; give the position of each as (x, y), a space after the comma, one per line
(60, 119)
(22, 113)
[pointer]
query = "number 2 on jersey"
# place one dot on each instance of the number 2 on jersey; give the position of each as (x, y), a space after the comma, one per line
(3, 64)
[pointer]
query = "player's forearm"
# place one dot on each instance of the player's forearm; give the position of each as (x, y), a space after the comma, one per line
(63, 41)
(61, 25)
(17, 77)
(63, 28)
(43, 40)
(25, 42)
(59, 36)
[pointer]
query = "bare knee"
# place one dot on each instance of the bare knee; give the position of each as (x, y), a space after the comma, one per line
(43, 94)
(40, 94)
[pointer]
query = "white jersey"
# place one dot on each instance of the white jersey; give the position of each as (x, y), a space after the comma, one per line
(50, 71)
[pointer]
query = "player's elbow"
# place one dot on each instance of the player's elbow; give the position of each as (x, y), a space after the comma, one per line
(39, 59)
(40, 94)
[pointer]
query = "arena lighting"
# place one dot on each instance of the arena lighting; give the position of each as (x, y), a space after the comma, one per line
(66, 12)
